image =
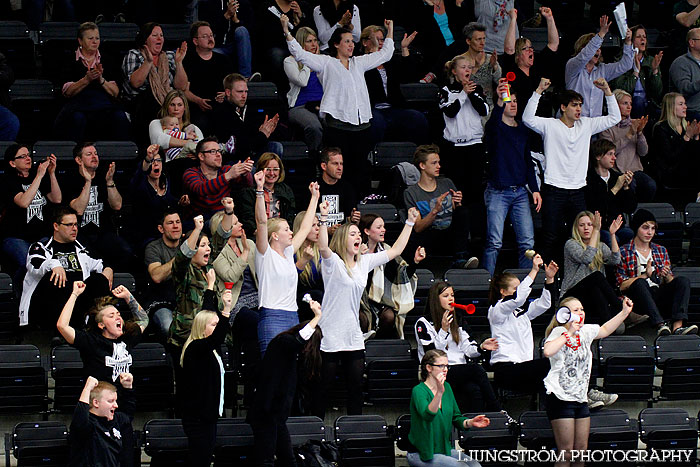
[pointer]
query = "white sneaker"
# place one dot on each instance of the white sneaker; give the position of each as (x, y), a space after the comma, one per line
(368, 335)
(599, 396)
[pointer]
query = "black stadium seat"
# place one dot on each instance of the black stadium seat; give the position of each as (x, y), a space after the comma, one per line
(57, 43)
(679, 358)
(165, 442)
(499, 435)
(301, 429)
(669, 429)
(9, 311)
(627, 366)
(693, 274)
(35, 104)
(23, 382)
(471, 287)
(391, 371)
(39, 444)
(234, 443)
(67, 373)
(364, 441)
(63, 150)
(18, 47)
(153, 377)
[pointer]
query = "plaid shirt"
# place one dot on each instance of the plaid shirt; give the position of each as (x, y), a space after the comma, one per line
(628, 264)
(132, 62)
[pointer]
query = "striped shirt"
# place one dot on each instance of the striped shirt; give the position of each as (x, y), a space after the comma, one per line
(205, 194)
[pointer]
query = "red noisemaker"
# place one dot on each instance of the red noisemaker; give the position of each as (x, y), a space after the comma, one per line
(470, 309)
(228, 285)
(505, 97)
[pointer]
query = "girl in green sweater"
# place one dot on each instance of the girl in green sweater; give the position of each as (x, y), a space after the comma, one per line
(433, 412)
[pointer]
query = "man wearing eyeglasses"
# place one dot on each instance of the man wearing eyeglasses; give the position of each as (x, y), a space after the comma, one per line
(206, 70)
(53, 266)
(684, 75)
(211, 181)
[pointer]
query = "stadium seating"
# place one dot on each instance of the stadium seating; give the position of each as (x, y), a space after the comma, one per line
(364, 441)
(9, 311)
(679, 358)
(391, 371)
(499, 435)
(153, 377)
(471, 286)
(627, 366)
(165, 442)
(38, 444)
(67, 373)
(668, 428)
(23, 382)
(17, 45)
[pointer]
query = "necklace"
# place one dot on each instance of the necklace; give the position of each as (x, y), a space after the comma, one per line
(570, 344)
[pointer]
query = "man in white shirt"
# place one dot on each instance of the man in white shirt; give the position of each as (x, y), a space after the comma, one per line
(566, 144)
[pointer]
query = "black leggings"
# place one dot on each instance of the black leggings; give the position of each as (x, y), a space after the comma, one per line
(527, 377)
(597, 296)
(272, 437)
(201, 440)
(354, 364)
(467, 381)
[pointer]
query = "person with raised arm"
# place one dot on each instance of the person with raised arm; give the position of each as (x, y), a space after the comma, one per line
(274, 263)
(99, 435)
(586, 67)
(203, 377)
(568, 348)
(566, 155)
(104, 347)
(345, 105)
(345, 274)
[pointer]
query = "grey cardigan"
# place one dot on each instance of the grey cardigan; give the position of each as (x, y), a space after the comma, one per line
(684, 76)
(577, 259)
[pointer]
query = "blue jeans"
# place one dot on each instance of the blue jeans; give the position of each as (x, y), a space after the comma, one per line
(9, 125)
(440, 460)
(241, 49)
(272, 322)
(513, 202)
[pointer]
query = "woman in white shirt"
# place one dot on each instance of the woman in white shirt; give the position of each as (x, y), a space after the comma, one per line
(345, 106)
(333, 14)
(568, 348)
(345, 278)
(274, 265)
(305, 92)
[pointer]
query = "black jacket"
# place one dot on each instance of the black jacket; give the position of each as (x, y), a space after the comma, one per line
(98, 442)
(278, 379)
(246, 204)
(249, 140)
(398, 70)
(673, 160)
(599, 197)
(201, 371)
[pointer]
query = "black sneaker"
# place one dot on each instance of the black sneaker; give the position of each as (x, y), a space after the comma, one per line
(683, 330)
(663, 330)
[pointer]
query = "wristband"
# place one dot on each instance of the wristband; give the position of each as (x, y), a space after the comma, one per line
(410, 224)
(103, 82)
(228, 213)
(113, 185)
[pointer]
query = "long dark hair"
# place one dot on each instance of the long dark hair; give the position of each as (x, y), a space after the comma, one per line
(434, 310)
(311, 353)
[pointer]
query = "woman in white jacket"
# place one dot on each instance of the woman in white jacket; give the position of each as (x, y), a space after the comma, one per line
(305, 92)
(345, 107)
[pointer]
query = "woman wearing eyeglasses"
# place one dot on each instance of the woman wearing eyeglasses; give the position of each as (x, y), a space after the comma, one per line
(27, 190)
(279, 197)
(434, 411)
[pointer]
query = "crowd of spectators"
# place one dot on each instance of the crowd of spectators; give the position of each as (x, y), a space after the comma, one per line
(572, 129)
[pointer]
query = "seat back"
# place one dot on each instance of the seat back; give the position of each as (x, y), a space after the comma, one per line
(693, 275)
(23, 381)
(388, 154)
(421, 96)
(673, 346)
(668, 428)
(35, 104)
(536, 431)
(497, 436)
(627, 366)
(153, 377)
(302, 429)
(263, 98)
(17, 45)
(403, 428)
(298, 168)
(612, 429)
(57, 42)
(9, 311)
(364, 440)
(165, 441)
(40, 443)
(234, 442)
(63, 150)
(69, 379)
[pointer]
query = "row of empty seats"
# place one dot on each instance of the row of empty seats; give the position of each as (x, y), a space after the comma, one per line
(367, 440)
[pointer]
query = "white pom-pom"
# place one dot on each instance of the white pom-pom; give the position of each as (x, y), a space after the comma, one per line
(307, 298)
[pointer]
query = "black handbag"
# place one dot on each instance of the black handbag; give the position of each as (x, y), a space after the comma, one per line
(316, 453)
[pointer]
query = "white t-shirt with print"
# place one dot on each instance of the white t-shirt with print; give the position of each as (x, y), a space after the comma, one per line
(341, 301)
(571, 369)
(277, 279)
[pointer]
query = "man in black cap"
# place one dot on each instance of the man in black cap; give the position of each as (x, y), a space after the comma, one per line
(645, 276)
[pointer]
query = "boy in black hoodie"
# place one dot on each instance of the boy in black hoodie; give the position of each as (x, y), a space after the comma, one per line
(100, 436)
